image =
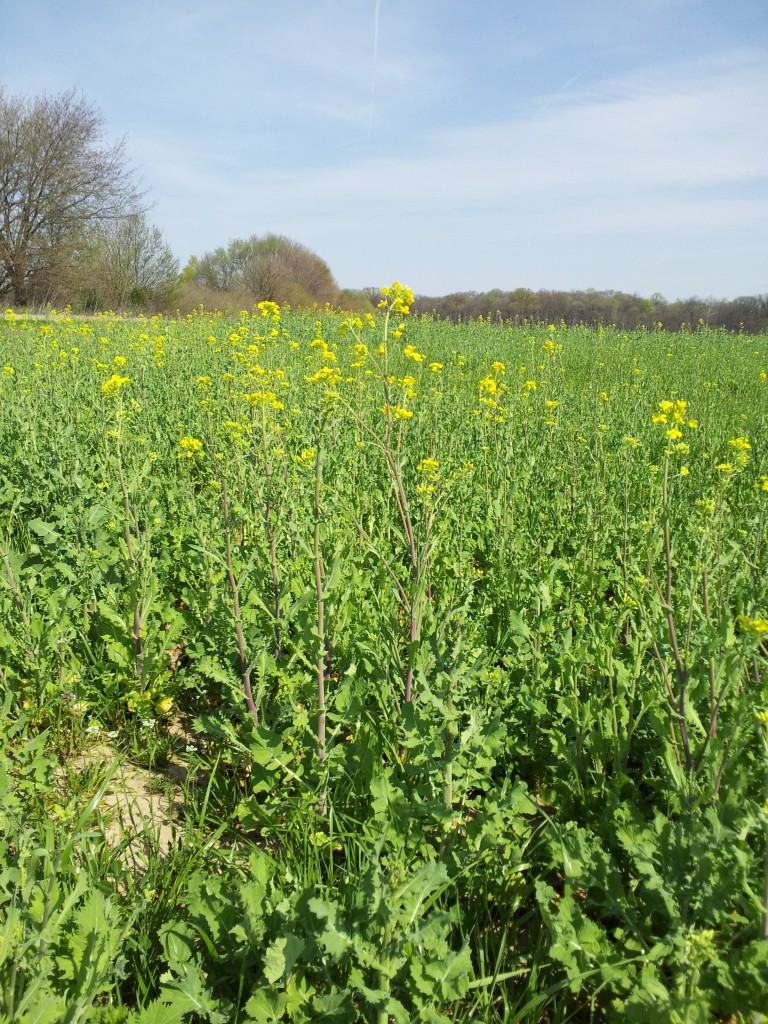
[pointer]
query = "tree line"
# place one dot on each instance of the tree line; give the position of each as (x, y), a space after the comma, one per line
(747, 313)
(74, 230)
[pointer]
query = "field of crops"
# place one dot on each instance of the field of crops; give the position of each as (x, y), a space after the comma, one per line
(457, 633)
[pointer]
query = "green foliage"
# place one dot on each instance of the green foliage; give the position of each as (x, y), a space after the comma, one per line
(463, 655)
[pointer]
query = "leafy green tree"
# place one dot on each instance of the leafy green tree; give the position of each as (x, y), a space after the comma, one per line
(273, 268)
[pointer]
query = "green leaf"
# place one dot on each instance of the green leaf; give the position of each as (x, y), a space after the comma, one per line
(47, 532)
(280, 957)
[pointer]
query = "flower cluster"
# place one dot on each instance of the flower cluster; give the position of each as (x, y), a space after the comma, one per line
(741, 448)
(190, 447)
(397, 298)
(674, 415)
(111, 388)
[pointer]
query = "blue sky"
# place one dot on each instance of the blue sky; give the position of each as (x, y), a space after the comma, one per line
(451, 144)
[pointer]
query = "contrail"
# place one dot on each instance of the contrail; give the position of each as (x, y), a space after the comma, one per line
(551, 100)
(375, 62)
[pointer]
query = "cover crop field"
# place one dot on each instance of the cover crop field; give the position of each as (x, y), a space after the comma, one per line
(458, 635)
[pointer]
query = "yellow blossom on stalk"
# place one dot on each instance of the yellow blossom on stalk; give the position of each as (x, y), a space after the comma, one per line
(724, 467)
(203, 383)
(693, 424)
(680, 410)
(683, 471)
(397, 412)
(660, 417)
(191, 447)
(499, 367)
(268, 399)
(328, 375)
(603, 396)
(111, 388)
(410, 353)
(742, 447)
(408, 384)
(361, 354)
(397, 298)
(752, 627)
(436, 367)
(632, 442)
(269, 309)
(8, 369)
(530, 385)
(673, 433)
(666, 407)
(305, 458)
(119, 361)
(428, 466)
(487, 386)
(551, 403)
(762, 484)
(429, 469)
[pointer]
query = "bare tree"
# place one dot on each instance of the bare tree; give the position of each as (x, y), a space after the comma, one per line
(127, 263)
(55, 180)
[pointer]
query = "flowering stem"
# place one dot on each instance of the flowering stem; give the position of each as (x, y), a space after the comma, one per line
(321, 663)
(680, 669)
(132, 544)
(245, 670)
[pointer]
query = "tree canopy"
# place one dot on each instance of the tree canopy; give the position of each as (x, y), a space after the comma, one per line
(57, 179)
(271, 268)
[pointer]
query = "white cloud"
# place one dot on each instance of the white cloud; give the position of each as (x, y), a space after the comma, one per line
(678, 154)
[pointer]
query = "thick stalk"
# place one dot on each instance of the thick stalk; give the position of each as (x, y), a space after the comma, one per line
(680, 669)
(245, 670)
(320, 597)
(132, 543)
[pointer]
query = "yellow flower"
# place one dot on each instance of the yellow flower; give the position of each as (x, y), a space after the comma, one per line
(191, 447)
(111, 388)
(164, 706)
(752, 627)
(428, 466)
(740, 444)
(264, 398)
(410, 353)
(551, 403)
(683, 471)
(632, 442)
(673, 433)
(397, 412)
(435, 367)
(724, 467)
(305, 458)
(499, 367)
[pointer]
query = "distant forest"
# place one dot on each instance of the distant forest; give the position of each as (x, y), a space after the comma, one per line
(748, 313)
